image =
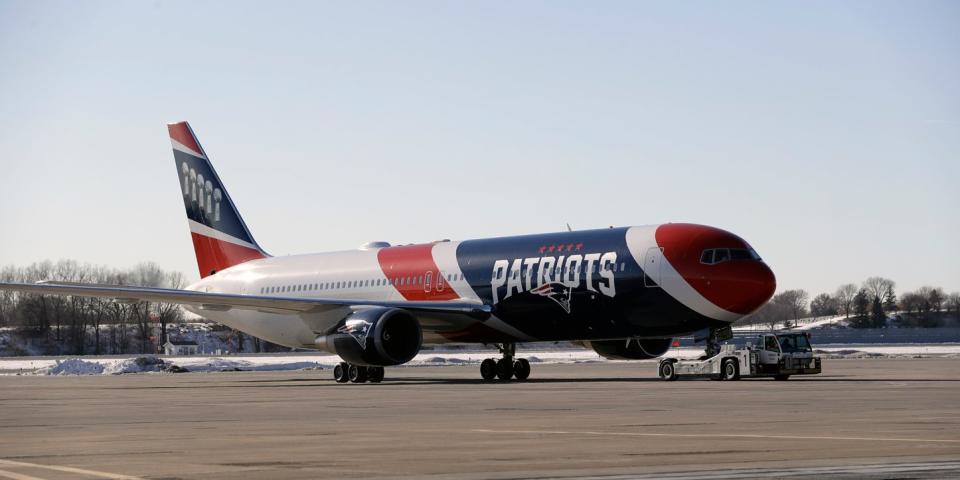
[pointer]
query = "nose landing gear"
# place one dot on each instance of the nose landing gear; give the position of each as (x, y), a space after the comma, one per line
(506, 367)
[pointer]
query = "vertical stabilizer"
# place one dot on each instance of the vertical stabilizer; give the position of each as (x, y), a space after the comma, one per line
(220, 237)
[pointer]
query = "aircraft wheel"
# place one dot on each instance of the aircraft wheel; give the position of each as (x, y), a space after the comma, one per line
(357, 373)
(731, 370)
(667, 371)
(488, 369)
(504, 369)
(521, 369)
(340, 372)
(376, 374)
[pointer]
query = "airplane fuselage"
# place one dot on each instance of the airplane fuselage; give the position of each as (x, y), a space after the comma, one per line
(584, 285)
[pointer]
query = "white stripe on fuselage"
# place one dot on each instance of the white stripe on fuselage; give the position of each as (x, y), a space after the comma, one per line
(639, 241)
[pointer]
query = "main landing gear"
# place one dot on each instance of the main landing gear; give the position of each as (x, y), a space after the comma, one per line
(347, 372)
(506, 367)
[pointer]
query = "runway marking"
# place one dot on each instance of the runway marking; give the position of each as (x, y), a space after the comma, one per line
(58, 468)
(932, 467)
(17, 476)
(716, 435)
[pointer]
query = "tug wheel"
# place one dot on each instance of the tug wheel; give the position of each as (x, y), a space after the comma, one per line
(668, 371)
(731, 369)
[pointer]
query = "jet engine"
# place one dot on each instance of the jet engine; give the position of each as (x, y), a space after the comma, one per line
(375, 337)
(631, 348)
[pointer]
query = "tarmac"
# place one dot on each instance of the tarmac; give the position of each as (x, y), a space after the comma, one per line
(862, 418)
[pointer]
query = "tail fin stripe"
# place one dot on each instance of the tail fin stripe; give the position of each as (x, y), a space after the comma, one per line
(201, 229)
(180, 133)
(185, 149)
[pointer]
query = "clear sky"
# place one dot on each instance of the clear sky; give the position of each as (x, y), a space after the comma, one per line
(827, 134)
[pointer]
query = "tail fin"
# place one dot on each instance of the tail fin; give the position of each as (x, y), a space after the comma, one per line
(220, 238)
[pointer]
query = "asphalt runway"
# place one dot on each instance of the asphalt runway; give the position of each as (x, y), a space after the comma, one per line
(874, 418)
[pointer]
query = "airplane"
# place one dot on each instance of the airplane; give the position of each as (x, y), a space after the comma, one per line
(624, 292)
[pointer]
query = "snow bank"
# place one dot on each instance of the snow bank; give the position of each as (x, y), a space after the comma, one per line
(72, 366)
(136, 365)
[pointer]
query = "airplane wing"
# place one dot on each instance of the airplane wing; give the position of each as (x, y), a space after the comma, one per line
(228, 301)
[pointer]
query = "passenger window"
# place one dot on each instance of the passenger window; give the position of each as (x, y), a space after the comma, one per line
(706, 257)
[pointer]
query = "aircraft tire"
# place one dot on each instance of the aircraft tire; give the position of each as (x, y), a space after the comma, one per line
(357, 373)
(521, 369)
(340, 372)
(375, 374)
(504, 369)
(488, 369)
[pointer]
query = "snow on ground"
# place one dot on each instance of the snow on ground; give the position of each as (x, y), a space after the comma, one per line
(115, 365)
(802, 324)
(146, 364)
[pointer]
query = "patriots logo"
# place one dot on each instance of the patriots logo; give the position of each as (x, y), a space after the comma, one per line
(358, 329)
(557, 292)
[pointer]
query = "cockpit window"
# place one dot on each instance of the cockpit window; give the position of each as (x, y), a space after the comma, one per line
(707, 256)
(713, 256)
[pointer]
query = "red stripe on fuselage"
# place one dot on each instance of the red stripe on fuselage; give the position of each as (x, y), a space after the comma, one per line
(413, 272)
(214, 255)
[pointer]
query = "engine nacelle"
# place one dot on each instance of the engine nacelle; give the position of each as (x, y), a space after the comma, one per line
(631, 349)
(377, 337)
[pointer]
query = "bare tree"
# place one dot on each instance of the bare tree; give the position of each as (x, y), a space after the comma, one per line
(844, 296)
(953, 302)
(823, 305)
(794, 302)
(879, 287)
(936, 298)
(169, 312)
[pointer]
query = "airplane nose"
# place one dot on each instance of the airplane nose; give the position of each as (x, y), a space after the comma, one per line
(751, 288)
(719, 265)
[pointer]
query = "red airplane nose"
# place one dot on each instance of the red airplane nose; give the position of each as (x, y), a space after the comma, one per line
(719, 265)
